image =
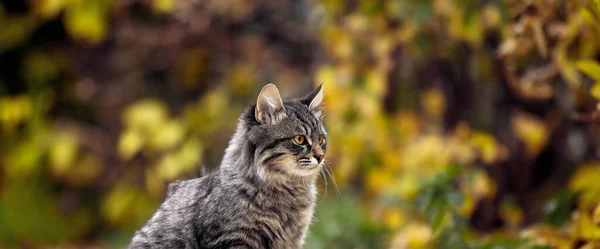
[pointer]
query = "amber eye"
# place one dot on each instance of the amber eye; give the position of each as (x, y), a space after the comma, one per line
(299, 139)
(321, 140)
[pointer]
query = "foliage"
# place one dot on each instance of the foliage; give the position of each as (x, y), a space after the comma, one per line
(452, 123)
(340, 223)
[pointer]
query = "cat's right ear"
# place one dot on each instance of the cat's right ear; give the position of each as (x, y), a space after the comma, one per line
(268, 105)
(314, 100)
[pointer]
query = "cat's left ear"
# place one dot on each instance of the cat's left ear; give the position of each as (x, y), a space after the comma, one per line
(269, 105)
(314, 100)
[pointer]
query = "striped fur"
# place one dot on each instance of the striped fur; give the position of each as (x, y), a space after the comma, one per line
(262, 195)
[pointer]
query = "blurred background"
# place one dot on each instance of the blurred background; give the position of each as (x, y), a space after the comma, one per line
(453, 123)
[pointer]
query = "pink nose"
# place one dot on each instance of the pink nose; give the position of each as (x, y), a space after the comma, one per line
(319, 157)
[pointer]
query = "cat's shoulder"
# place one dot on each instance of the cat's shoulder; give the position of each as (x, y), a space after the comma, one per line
(185, 194)
(196, 185)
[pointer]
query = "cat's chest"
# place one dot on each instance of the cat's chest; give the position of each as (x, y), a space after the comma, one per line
(287, 221)
(288, 226)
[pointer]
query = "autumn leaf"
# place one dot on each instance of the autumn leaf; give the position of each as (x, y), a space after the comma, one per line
(64, 152)
(590, 67)
(596, 90)
(87, 20)
(585, 182)
(585, 228)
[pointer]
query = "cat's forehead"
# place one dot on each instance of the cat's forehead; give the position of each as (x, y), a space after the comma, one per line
(301, 119)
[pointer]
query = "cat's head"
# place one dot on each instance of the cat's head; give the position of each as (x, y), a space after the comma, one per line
(289, 136)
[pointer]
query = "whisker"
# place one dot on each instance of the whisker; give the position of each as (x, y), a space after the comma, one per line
(324, 182)
(333, 179)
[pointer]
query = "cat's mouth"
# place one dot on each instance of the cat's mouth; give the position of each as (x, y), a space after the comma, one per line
(309, 166)
(303, 166)
(308, 163)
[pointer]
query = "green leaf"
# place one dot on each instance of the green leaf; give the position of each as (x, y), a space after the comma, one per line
(424, 200)
(454, 198)
(438, 220)
(558, 209)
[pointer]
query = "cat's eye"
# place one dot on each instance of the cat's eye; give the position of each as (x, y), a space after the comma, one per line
(299, 139)
(321, 140)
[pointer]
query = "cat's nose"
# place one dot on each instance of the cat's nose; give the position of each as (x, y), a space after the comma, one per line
(319, 157)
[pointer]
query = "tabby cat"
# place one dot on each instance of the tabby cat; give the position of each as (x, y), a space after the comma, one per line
(263, 193)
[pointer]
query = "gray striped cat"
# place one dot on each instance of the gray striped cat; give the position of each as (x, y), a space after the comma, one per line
(262, 195)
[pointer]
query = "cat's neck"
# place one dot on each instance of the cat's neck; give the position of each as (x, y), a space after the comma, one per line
(238, 156)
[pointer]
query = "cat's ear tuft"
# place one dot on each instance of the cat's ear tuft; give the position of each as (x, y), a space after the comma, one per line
(268, 104)
(314, 99)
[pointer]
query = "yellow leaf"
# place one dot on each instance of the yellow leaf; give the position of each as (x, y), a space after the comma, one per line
(415, 235)
(376, 83)
(511, 214)
(483, 185)
(462, 153)
(168, 167)
(49, 8)
(568, 69)
(343, 47)
(542, 235)
(166, 135)
(180, 162)
(378, 179)
(434, 102)
(190, 154)
(584, 227)
(130, 143)
(468, 206)
(163, 6)
(24, 159)
(490, 150)
(532, 131)
(596, 215)
(84, 171)
(394, 219)
(585, 180)
(408, 186)
(87, 20)
(491, 16)
(587, 16)
(368, 106)
(594, 5)
(117, 202)
(63, 152)
(590, 67)
(408, 124)
(407, 32)
(145, 114)
(428, 154)
(14, 111)
(596, 90)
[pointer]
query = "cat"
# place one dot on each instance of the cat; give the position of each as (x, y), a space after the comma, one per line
(263, 193)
